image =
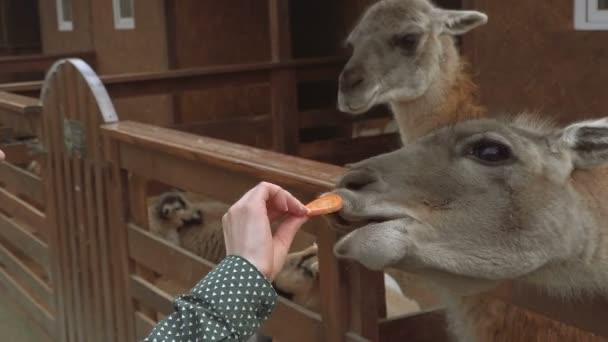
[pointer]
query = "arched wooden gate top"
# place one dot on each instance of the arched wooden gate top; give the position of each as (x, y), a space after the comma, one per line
(81, 101)
(75, 103)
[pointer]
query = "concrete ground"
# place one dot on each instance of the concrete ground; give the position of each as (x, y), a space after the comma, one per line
(14, 327)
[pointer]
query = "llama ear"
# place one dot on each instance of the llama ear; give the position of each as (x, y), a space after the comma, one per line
(586, 142)
(460, 22)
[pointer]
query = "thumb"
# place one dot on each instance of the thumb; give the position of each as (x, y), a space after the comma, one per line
(283, 237)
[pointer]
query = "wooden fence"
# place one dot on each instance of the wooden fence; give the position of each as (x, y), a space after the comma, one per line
(285, 119)
(76, 253)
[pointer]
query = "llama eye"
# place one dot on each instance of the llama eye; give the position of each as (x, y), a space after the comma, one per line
(490, 151)
(406, 41)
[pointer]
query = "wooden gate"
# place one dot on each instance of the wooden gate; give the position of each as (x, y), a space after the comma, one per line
(87, 283)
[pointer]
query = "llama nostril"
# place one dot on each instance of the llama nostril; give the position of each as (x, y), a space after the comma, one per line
(351, 79)
(357, 180)
(355, 83)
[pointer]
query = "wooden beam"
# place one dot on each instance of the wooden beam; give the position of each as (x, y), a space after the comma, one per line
(25, 276)
(21, 182)
(34, 310)
(24, 241)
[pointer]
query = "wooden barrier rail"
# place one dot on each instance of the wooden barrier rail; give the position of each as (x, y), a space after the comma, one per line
(40, 63)
(284, 120)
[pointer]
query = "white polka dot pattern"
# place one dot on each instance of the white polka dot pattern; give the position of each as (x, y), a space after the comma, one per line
(229, 304)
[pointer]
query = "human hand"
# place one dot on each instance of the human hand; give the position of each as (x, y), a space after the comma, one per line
(1, 155)
(247, 231)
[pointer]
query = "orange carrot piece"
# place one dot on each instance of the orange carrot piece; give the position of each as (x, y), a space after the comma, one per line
(327, 204)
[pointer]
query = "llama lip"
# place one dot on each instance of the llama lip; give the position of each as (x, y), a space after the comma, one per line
(347, 106)
(344, 224)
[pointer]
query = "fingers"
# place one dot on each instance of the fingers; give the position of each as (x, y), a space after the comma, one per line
(276, 199)
(1, 155)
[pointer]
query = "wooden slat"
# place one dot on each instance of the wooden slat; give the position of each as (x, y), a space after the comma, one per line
(18, 153)
(587, 313)
(333, 117)
(29, 89)
(30, 63)
(152, 83)
(20, 113)
(35, 311)
(143, 326)
(23, 211)
(25, 241)
(304, 174)
(160, 256)
(154, 298)
(22, 182)
(222, 184)
(421, 327)
(303, 325)
(18, 105)
(23, 275)
(257, 128)
(341, 151)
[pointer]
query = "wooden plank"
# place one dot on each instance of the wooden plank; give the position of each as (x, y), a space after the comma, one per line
(161, 257)
(301, 173)
(74, 233)
(151, 83)
(25, 241)
(334, 293)
(428, 326)
(333, 117)
(219, 183)
(257, 127)
(303, 325)
(587, 313)
(22, 183)
(18, 105)
(42, 62)
(18, 310)
(35, 311)
(17, 153)
(138, 212)
(54, 217)
(153, 297)
(20, 113)
(341, 151)
(29, 89)
(23, 275)
(143, 326)
(23, 211)
(54, 111)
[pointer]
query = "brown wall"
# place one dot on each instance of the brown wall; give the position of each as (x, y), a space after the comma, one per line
(139, 50)
(54, 41)
(211, 32)
(118, 51)
(529, 57)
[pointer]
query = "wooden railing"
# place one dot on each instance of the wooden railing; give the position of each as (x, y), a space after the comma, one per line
(40, 63)
(283, 121)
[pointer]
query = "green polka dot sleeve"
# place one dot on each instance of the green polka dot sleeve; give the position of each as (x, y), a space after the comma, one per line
(229, 304)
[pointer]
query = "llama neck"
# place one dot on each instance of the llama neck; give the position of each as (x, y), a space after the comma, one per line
(450, 98)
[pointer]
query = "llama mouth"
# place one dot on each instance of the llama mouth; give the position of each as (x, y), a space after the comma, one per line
(345, 225)
(364, 106)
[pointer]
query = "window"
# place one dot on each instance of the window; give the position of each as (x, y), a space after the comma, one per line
(124, 17)
(64, 15)
(591, 14)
